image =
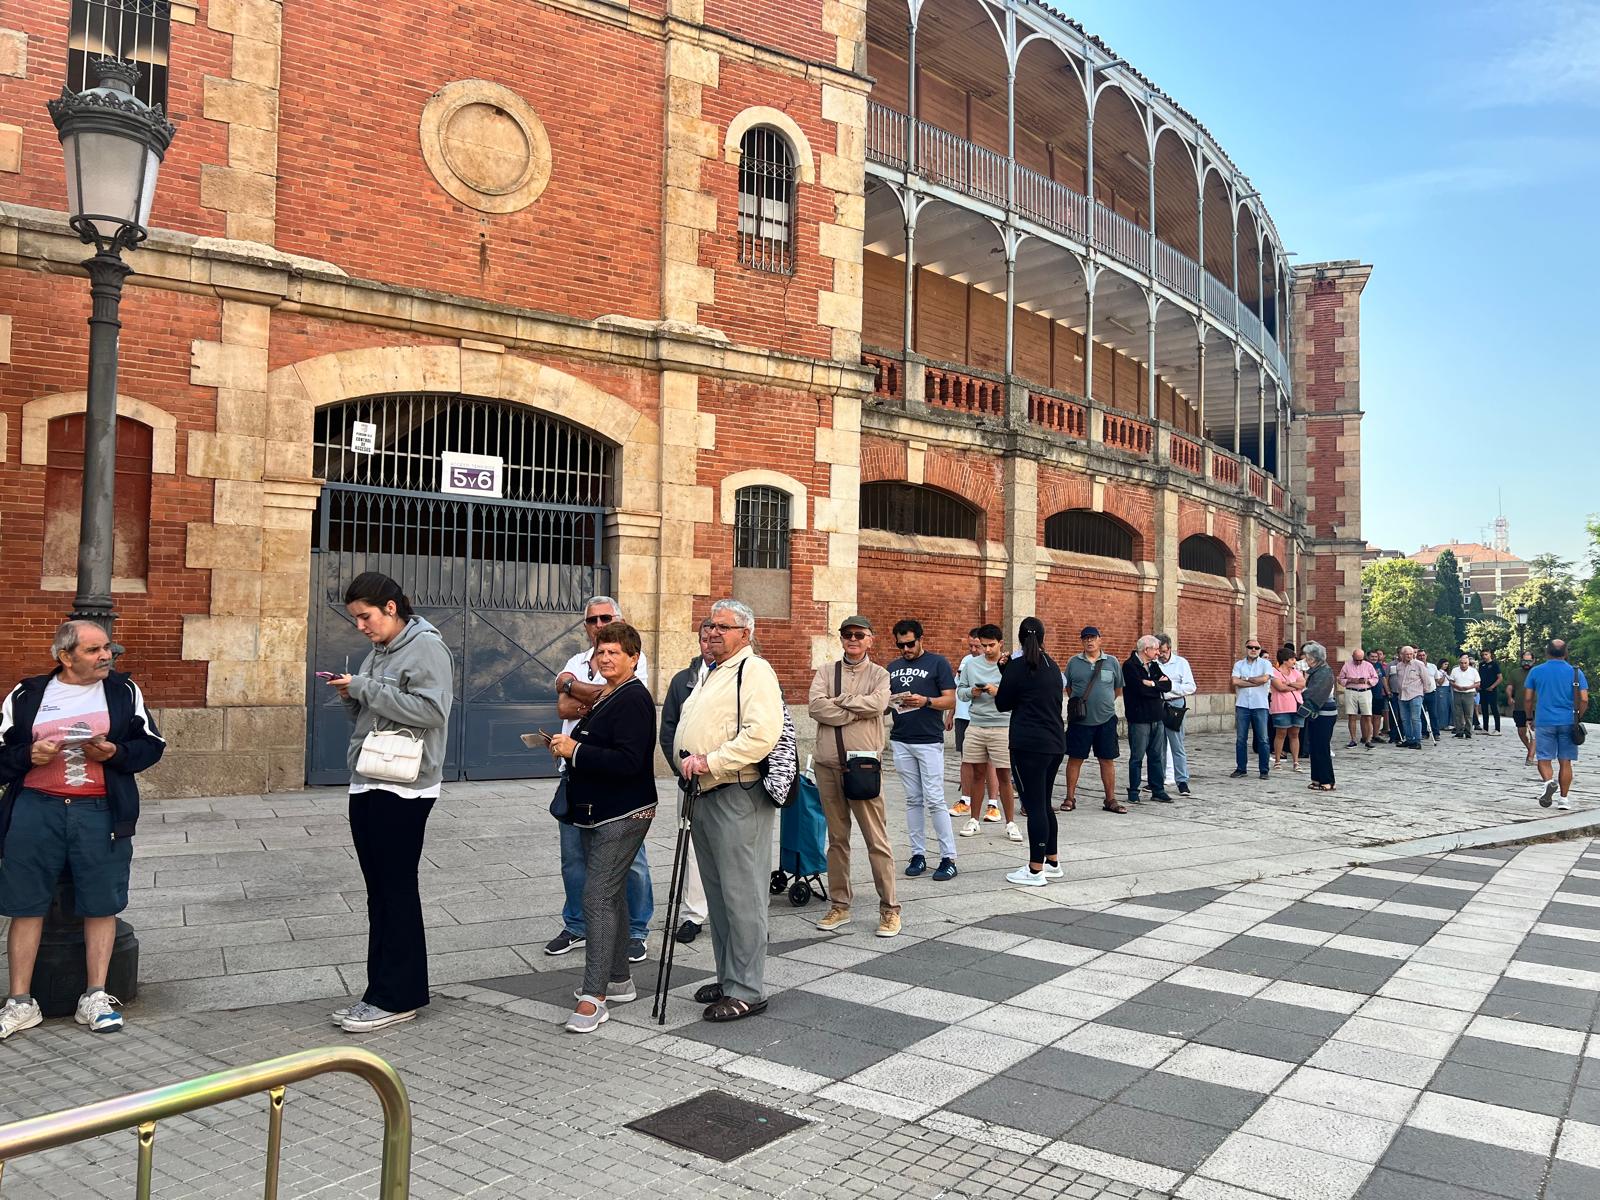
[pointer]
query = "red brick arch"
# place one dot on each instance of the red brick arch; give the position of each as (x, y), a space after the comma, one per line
(882, 460)
(950, 473)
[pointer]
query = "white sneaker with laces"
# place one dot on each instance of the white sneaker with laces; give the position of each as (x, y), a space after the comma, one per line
(971, 828)
(100, 1011)
(339, 1014)
(1013, 832)
(1027, 878)
(366, 1018)
(17, 1015)
(1562, 802)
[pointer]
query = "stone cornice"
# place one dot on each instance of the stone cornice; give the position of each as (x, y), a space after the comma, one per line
(35, 239)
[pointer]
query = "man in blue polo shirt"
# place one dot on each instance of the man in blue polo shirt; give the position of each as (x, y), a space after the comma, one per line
(1552, 687)
(922, 688)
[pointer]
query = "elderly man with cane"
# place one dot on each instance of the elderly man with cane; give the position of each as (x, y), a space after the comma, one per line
(732, 819)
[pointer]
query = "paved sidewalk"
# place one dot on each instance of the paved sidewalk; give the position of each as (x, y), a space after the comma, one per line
(1213, 1004)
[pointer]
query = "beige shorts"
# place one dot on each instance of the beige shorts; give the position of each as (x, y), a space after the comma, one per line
(988, 744)
(1357, 704)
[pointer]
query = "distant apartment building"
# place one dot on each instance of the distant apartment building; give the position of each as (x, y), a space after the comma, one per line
(1488, 572)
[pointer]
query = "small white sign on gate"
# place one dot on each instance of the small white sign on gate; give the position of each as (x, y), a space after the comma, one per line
(471, 474)
(363, 437)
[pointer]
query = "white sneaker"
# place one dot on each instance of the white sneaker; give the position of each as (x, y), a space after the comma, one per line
(971, 828)
(100, 1011)
(1027, 878)
(366, 1018)
(17, 1015)
(1013, 832)
(1053, 870)
(992, 813)
(1562, 802)
(338, 1015)
(1550, 786)
(587, 1023)
(616, 993)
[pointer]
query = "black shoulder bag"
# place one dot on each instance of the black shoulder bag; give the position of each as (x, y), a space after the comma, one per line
(859, 778)
(1078, 706)
(1579, 733)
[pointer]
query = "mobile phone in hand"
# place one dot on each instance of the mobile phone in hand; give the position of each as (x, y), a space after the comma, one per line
(327, 675)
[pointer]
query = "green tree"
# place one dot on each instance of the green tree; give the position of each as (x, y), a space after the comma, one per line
(1397, 604)
(1475, 607)
(1584, 644)
(1491, 633)
(1552, 603)
(1550, 566)
(1447, 577)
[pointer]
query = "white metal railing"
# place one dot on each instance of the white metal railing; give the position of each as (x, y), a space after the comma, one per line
(1250, 324)
(1053, 204)
(1219, 298)
(1178, 271)
(1121, 238)
(887, 135)
(944, 158)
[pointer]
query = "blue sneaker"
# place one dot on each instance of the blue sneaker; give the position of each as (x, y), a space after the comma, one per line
(945, 870)
(100, 1011)
(917, 865)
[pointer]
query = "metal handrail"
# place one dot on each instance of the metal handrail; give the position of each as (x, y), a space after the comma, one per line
(141, 1110)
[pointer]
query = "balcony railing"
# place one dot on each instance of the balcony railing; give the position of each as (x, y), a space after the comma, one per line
(1187, 455)
(1058, 415)
(1225, 470)
(1258, 484)
(1126, 434)
(886, 374)
(941, 157)
(964, 393)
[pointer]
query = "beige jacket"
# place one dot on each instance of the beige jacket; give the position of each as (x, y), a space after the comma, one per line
(857, 712)
(733, 739)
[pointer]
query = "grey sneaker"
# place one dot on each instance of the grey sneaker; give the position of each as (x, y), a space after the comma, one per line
(616, 993)
(17, 1015)
(100, 1011)
(588, 1022)
(367, 1018)
(1548, 794)
(338, 1015)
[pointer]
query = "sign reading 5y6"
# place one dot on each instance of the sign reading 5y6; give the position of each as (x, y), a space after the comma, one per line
(471, 474)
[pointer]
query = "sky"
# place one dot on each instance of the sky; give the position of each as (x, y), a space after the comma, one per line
(1456, 148)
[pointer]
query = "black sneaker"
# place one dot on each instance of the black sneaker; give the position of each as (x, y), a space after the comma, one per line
(1238, 774)
(1350, 745)
(1183, 789)
(562, 942)
(1264, 775)
(637, 950)
(945, 870)
(917, 865)
(1161, 798)
(687, 932)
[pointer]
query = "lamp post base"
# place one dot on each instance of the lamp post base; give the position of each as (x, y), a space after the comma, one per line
(60, 974)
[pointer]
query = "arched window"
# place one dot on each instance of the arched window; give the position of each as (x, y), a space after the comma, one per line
(1269, 573)
(761, 528)
(63, 501)
(766, 201)
(919, 511)
(1080, 531)
(1204, 554)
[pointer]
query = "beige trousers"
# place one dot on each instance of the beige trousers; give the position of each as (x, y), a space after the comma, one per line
(869, 814)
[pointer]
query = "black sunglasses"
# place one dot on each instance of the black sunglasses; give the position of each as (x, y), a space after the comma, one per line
(906, 645)
(853, 635)
(600, 619)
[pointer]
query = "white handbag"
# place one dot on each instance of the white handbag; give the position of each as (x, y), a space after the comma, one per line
(390, 756)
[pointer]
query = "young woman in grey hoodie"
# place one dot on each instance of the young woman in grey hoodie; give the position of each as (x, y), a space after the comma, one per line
(404, 683)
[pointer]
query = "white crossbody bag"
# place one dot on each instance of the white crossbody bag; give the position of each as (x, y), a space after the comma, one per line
(390, 756)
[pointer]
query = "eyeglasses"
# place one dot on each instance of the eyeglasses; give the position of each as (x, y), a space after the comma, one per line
(726, 628)
(600, 619)
(1252, 647)
(906, 645)
(853, 635)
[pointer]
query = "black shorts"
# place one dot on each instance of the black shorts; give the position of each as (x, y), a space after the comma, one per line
(1519, 718)
(1102, 739)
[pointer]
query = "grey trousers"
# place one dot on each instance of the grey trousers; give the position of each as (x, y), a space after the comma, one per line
(608, 854)
(1462, 706)
(733, 841)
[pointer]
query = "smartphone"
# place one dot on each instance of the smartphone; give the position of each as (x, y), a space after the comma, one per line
(327, 675)
(534, 740)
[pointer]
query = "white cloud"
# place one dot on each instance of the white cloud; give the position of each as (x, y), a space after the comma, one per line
(1556, 61)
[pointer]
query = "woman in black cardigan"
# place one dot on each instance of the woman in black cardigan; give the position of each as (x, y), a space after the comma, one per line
(611, 798)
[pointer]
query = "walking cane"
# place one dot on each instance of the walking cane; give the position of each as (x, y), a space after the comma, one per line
(680, 862)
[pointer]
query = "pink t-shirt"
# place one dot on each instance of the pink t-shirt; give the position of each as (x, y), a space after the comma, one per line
(1286, 702)
(70, 714)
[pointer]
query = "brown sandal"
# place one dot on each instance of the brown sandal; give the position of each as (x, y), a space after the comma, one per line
(730, 1009)
(1067, 805)
(1115, 807)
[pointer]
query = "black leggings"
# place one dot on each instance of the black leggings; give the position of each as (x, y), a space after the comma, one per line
(1319, 732)
(1036, 777)
(1490, 706)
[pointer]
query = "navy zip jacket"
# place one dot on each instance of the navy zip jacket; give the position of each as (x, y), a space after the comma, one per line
(133, 732)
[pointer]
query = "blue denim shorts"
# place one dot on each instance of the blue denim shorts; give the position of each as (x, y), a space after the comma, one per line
(49, 834)
(1553, 743)
(1288, 721)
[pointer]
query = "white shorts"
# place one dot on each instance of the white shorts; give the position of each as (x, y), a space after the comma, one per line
(1357, 704)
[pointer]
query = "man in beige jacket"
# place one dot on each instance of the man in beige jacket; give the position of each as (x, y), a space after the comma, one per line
(850, 694)
(729, 723)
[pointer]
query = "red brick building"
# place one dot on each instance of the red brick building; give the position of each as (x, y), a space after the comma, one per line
(741, 301)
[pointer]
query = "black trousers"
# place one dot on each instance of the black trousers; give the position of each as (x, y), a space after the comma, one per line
(1036, 776)
(1320, 738)
(388, 832)
(1490, 705)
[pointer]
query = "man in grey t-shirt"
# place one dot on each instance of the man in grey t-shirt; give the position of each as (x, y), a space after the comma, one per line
(1095, 678)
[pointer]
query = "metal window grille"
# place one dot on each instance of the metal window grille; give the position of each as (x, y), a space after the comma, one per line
(906, 508)
(1269, 574)
(1079, 532)
(761, 528)
(1204, 554)
(547, 461)
(135, 31)
(766, 201)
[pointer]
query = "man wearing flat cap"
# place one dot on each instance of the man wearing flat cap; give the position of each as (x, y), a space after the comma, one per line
(1094, 678)
(848, 698)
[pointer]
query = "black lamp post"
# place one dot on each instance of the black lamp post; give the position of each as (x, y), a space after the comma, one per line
(113, 143)
(1522, 626)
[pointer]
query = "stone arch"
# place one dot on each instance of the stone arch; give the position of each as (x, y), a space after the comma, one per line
(804, 162)
(947, 473)
(796, 491)
(38, 413)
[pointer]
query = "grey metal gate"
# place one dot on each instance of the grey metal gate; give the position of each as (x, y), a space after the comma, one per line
(503, 580)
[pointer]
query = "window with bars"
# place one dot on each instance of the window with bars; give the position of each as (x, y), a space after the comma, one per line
(761, 528)
(919, 511)
(135, 31)
(1079, 531)
(1204, 554)
(1269, 573)
(766, 201)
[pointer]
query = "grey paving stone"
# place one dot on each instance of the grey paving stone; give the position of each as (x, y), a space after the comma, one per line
(1360, 982)
(1014, 966)
(1384, 1184)
(1558, 952)
(1025, 1104)
(1192, 1099)
(1283, 1044)
(1433, 897)
(1589, 1073)
(1185, 901)
(1390, 927)
(1502, 1088)
(825, 1052)
(1288, 1016)
(1585, 1105)
(1026, 925)
(1364, 885)
(1516, 1060)
(1350, 960)
(1152, 1137)
(921, 961)
(1501, 1172)
(1260, 947)
(971, 981)
(1536, 1012)
(864, 1022)
(1191, 999)
(1324, 917)
(1079, 1073)
(1135, 926)
(1154, 1018)
(1580, 885)
(1579, 916)
(1571, 1181)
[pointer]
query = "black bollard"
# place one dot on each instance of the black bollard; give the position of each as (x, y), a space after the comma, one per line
(60, 974)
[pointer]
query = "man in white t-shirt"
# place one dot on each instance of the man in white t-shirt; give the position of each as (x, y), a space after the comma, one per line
(1464, 682)
(1251, 681)
(578, 686)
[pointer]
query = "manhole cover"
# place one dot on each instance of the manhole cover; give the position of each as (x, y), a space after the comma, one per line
(718, 1125)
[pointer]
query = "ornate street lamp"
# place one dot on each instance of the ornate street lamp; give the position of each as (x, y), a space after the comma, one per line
(113, 143)
(1522, 626)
